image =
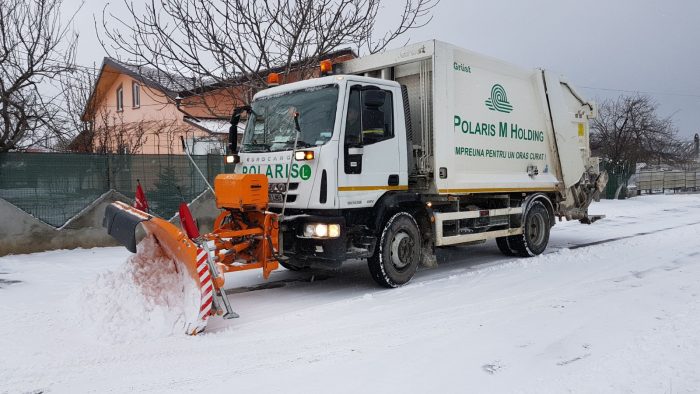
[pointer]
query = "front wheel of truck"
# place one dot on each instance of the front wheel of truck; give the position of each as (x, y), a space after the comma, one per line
(292, 267)
(397, 255)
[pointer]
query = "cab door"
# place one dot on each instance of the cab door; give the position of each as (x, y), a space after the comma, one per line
(369, 154)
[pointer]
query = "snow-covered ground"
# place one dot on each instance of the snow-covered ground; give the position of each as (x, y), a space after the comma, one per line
(589, 317)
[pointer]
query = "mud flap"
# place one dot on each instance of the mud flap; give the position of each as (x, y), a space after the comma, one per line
(121, 220)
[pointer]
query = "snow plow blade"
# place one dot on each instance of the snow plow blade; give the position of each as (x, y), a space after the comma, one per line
(245, 236)
(121, 220)
(121, 223)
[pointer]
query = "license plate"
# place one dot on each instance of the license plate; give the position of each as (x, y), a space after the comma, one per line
(275, 198)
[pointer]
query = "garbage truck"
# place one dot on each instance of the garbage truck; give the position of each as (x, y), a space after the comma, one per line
(389, 156)
(416, 148)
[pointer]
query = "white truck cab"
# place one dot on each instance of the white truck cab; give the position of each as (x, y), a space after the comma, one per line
(352, 167)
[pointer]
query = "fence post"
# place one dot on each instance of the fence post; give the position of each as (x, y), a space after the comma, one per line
(109, 175)
(210, 170)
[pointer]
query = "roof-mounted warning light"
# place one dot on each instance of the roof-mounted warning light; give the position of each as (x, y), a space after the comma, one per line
(273, 79)
(326, 67)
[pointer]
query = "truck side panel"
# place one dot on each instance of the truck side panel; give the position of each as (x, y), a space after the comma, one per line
(491, 130)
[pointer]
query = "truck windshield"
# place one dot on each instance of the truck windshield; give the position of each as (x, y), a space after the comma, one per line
(271, 128)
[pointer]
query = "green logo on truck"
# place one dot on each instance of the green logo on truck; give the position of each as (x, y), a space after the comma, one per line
(305, 172)
(498, 100)
(280, 171)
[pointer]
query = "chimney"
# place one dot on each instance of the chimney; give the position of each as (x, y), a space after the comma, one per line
(697, 147)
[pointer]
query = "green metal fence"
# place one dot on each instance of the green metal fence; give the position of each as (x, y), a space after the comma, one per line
(54, 187)
(618, 176)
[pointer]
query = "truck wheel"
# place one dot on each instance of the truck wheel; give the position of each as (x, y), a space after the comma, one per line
(398, 254)
(292, 267)
(535, 236)
(504, 247)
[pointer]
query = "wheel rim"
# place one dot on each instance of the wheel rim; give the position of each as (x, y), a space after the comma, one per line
(535, 229)
(401, 250)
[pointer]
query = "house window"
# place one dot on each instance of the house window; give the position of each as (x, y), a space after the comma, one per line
(135, 94)
(120, 99)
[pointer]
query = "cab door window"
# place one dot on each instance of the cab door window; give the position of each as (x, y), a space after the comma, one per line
(377, 116)
(370, 116)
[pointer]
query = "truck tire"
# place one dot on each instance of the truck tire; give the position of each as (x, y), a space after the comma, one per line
(397, 256)
(504, 247)
(292, 267)
(535, 236)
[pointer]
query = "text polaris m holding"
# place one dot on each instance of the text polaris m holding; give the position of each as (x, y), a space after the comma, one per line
(505, 130)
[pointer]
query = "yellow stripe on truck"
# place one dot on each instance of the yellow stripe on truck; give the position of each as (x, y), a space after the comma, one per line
(499, 190)
(370, 188)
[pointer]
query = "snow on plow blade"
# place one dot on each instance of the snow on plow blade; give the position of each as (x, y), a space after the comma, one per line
(245, 236)
(121, 220)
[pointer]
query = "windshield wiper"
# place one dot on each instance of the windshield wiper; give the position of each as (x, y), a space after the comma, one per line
(303, 144)
(253, 147)
(300, 144)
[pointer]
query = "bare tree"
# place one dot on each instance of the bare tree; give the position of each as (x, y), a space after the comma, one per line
(684, 154)
(34, 48)
(229, 42)
(114, 135)
(78, 120)
(629, 130)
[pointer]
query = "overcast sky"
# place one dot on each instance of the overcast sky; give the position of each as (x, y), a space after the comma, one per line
(605, 47)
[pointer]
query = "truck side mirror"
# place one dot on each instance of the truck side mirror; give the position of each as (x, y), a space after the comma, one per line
(233, 130)
(374, 98)
(233, 134)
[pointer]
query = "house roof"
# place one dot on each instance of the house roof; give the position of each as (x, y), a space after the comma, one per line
(173, 85)
(149, 76)
(168, 83)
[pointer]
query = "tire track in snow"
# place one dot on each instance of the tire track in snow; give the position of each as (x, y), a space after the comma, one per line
(604, 241)
(325, 276)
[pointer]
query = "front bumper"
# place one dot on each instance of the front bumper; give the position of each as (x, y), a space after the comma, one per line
(327, 252)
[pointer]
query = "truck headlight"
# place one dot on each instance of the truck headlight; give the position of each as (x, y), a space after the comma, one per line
(321, 230)
(333, 230)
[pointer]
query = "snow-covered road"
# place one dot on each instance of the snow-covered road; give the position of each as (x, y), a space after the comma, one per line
(621, 315)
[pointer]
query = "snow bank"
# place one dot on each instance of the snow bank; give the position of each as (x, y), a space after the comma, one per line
(149, 296)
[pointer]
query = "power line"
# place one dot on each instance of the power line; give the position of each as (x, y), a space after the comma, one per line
(643, 91)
